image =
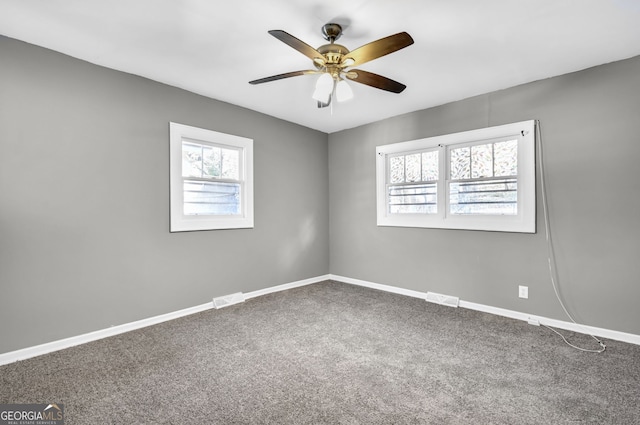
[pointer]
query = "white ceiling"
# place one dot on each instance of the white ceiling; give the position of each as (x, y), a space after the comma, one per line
(462, 47)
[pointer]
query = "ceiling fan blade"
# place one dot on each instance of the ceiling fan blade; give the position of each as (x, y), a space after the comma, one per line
(299, 45)
(375, 80)
(380, 48)
(285, 75)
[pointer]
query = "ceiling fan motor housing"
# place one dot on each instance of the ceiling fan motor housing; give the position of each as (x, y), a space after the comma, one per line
(333, 52)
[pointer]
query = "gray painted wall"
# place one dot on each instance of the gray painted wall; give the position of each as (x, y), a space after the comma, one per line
(84, 200)
(591, 145)
(84, 203)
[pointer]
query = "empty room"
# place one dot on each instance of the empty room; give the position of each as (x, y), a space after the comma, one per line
(293, 212)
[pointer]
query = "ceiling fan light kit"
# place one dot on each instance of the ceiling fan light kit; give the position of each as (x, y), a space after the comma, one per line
(332, 60)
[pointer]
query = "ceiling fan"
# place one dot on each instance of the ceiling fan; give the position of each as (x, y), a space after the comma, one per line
(333, 60)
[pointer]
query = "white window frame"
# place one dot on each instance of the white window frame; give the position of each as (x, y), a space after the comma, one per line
(186, 223)
(523, 222)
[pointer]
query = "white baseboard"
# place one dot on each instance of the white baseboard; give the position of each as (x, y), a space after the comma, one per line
(38, 350)
(379, 286)
(560, 324)
(286, 286)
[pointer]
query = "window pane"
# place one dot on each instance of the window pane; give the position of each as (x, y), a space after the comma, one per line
(430, 166)
(210, 162)
(211, 198)
(460, 163)
(419, 198)
(506, 158)
(397, 169)
(413, 162)
(481, 161)
(497, 196)
(230, 164)
(191, 160)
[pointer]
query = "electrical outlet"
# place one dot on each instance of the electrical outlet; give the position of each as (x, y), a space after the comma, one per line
(523, 291)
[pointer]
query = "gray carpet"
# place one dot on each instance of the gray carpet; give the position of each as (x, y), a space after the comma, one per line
(337, 354)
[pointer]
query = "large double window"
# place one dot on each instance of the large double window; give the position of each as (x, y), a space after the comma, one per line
(211, 179)
(478, 180)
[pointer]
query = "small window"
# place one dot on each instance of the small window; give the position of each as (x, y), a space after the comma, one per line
(211, 180)
(477, 180)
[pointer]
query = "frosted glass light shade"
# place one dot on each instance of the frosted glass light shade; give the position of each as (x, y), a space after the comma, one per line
(324, 87)
(343, 91)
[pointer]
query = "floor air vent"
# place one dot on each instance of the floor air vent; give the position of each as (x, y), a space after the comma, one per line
(228, 300)
(448, 300)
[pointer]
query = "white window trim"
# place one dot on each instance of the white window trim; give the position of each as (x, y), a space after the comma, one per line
(185, 223)
(523, 222)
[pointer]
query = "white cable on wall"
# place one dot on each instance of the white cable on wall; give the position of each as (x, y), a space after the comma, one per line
(551, 255)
